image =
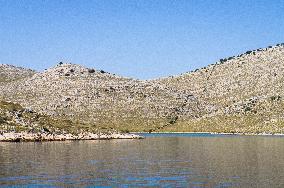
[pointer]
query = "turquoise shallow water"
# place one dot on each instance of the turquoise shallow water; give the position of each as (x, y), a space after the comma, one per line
(160, 160)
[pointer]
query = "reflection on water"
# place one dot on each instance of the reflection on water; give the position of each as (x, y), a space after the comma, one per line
(175, 161)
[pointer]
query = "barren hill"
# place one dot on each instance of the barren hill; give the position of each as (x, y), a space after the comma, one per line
(242, 93)
(98, 97)
(241, 90)
(9, 73)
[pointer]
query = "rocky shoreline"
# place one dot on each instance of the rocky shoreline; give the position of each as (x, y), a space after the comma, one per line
(215, 133)
(38, 137)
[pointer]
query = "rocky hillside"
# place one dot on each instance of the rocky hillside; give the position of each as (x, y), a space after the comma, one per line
(21, 124)
(238, 91)
(242, 93)
(15, 118)
(9, 73)
(254, 73)
(92, 96)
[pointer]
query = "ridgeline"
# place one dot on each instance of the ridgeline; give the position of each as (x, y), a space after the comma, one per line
(239, 94)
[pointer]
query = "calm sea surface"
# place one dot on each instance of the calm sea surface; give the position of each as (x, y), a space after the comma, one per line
(160, 160)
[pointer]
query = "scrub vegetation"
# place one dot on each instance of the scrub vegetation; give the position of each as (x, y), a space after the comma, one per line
(239, 94)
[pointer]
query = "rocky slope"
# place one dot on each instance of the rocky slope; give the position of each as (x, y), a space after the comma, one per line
(9, 73)
(91, 96)
(242, 93)
(255, 73)
(22, 124)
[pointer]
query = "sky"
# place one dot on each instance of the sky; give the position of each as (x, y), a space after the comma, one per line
(142, 39)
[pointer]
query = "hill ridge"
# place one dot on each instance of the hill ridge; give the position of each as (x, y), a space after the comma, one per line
(242, 93)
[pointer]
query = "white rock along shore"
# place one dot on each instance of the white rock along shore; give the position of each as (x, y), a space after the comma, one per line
(217, 133)
(26, 136)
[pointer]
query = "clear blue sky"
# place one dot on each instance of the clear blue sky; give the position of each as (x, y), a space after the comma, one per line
(141, 39)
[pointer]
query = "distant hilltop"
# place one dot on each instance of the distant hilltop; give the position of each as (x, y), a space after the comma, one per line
(238, 94)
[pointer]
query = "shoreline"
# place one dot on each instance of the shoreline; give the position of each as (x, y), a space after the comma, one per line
(214, 133)
(42, 137)
(45, 137)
